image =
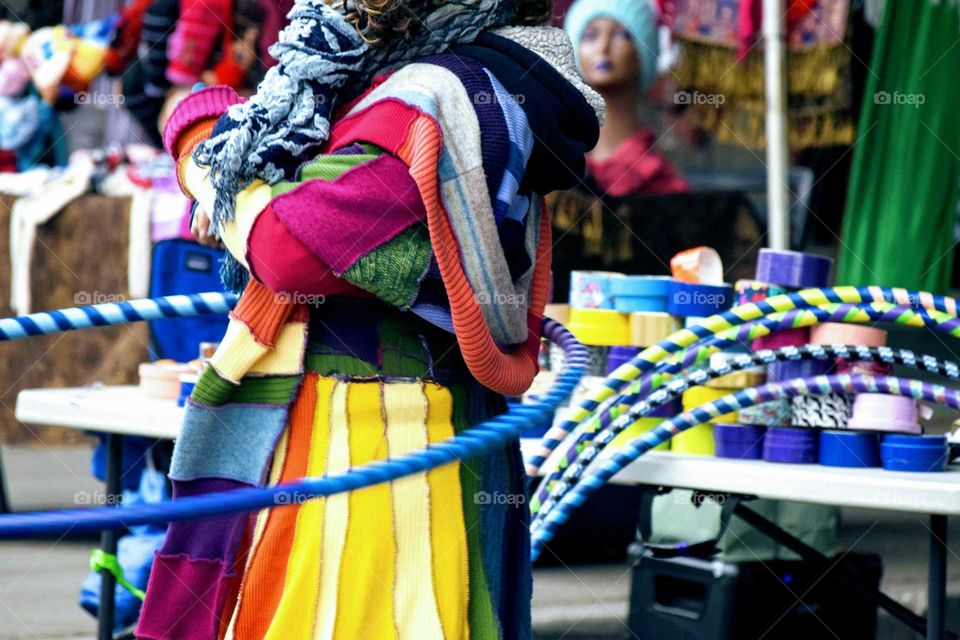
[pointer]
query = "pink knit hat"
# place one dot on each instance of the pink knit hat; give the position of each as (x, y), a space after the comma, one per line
(14, 77)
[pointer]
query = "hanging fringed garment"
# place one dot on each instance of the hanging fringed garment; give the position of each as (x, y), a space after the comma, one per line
(729, 77)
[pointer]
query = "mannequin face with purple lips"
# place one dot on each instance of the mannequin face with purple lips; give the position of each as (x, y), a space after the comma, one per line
(608, 57)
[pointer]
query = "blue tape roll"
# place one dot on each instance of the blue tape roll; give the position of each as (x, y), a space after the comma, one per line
(591, 289)
(914, 453)
(640, 293)
(785, 370)
(700, 300)
(849, 449)
(793, 269)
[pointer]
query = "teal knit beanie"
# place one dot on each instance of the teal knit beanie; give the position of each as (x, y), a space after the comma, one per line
(639, 17)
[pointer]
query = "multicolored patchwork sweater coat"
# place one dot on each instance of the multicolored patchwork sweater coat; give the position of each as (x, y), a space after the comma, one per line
(396, 295)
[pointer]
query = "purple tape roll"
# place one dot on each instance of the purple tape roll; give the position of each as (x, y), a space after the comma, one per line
(792, 446)
(784, 370)
(739, 441)
(793, 269)
(672, 408)
(620, 355)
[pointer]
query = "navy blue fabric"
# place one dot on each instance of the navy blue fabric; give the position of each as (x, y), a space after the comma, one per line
(564, 125)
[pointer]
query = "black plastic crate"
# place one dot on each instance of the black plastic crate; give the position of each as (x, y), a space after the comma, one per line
(684, 598)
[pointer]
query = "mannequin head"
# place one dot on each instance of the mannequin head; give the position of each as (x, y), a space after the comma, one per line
(615, 42)
(608, 55)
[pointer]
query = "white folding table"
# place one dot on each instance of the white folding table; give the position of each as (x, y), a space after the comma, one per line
(123, 411)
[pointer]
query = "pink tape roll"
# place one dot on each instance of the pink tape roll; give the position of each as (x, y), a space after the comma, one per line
(852, 367)
(881, 412)
(838, 333)
(788, 338)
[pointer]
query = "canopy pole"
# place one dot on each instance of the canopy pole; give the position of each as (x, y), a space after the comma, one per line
(774, 54)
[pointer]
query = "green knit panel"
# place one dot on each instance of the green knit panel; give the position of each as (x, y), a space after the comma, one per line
(393, 271)
(336, 364)
(266, 390)
(484, 624)
(328, 167)
(212, 390)
(402, 351)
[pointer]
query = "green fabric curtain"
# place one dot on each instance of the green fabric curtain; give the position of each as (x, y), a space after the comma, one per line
(898, 227)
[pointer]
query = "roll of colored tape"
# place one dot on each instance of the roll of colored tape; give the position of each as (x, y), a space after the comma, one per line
(793, 269)
(591, 289)
(881, 412)
(838, 333)
(600, 327)
(672, 408)
(647, 329)
(785, 370)
(829, 411)
(696, 441)
(640, 293)
(738, 441)
(785, 338)
(849, 449)
(914, 453)
(775, 413)
(636, 429)
(699, 299)
(620, 355)
(863, 368)
(792, 446)
(696, 396)
(559, 312)
(700, 265)
(748, 291)
(738, 380)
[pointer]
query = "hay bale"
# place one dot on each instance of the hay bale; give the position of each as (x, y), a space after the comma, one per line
(80, 257)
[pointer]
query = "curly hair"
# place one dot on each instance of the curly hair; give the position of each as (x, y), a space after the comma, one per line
(380, 21)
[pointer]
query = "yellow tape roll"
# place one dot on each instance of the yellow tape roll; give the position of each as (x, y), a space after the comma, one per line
(696, 441)
(639, 427)
(738, 380)
(600, 327)
(648, 328)
(697, 396)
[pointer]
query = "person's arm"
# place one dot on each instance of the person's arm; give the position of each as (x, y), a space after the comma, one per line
(353, 219)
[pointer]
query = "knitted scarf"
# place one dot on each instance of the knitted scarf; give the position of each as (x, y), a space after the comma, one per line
(322, 61)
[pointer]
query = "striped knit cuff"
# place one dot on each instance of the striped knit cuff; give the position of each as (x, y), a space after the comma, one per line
(210, 102)
(263, 311)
